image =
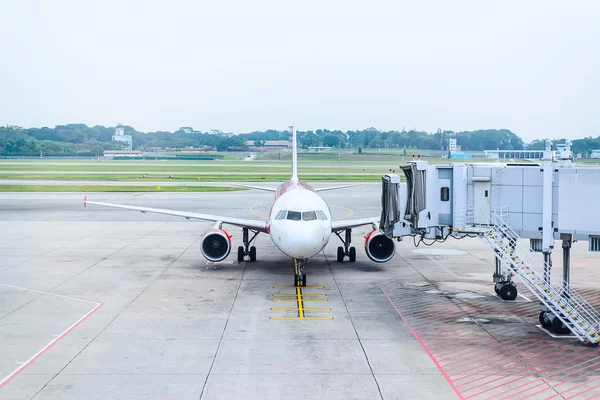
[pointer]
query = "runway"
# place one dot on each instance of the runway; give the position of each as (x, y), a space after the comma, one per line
(100, 303)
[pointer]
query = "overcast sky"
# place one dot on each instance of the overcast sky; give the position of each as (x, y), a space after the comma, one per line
(529, 66)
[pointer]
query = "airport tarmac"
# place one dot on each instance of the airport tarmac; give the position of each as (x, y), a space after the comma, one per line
(101, 303)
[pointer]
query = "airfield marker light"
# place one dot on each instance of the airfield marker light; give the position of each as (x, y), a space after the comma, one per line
(158, 188)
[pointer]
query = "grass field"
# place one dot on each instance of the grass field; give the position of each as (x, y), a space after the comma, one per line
(102, 188)
(193, 178)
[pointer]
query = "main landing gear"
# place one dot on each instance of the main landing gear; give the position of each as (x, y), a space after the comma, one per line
(299, 275)
(348, 251)
(246, 249)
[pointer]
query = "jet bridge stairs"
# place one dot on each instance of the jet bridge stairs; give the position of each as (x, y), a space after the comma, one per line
(566, 308)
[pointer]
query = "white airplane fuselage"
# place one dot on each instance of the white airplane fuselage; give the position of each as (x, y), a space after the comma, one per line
(300, 220)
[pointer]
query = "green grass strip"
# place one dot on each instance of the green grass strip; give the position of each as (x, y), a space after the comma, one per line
(115, 188)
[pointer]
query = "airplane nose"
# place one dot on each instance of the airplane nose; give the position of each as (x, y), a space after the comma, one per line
(305, 244)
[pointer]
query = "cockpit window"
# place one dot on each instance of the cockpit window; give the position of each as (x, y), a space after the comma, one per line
(309, 215)
(281, 214)
(294, 215)
(321, 215)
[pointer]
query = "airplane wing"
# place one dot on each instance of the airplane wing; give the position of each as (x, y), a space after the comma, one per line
(266, 189)
(333, 188)
(353, 223)
(254, 224)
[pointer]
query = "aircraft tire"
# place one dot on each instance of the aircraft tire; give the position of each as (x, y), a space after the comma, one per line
(253, 253)
(241, 254)
(340, 254)
(352, 255)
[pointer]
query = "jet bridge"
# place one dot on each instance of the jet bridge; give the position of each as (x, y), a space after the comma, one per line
(502, 203)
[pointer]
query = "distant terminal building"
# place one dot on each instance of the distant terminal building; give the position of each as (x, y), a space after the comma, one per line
(111, 154)
(514, 154)
(316, 149)
(595, 154)
(270, 145)
(120, 136)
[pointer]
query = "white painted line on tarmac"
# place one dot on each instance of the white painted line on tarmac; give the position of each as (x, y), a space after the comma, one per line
(17, 371)
(569, 336)
(527, 299)
(48, 293)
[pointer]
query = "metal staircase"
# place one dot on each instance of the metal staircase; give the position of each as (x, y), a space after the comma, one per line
(564, 303)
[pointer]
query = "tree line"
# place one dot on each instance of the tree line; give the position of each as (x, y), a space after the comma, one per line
(80, 139)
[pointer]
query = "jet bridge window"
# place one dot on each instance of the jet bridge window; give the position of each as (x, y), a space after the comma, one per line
(281, 214)
(445, 193)
(294, 215)
(309, 215)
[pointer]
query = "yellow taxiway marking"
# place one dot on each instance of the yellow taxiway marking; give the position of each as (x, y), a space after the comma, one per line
(294, 287)
(303, 318)
(296, 309)
(258, 215)
(305, 300)
(300, 298)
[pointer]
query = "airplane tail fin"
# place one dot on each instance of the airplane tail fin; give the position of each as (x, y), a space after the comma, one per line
(294, 153)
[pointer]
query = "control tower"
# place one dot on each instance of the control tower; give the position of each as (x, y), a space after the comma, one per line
(120, 136)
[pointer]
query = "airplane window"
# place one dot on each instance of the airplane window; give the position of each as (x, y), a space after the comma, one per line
(309, 215)
(294, 215)
(322, 215)
(281, 214)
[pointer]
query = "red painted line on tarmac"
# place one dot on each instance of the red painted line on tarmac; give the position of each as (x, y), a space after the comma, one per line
(410, 328)
(585, 391)
(562, 376)
(518, 379)
(479, 356)
(526, 364)
(576, 387)
(48, 346)
(545, 382)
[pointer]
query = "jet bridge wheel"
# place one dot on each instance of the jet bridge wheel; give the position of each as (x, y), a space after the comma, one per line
(508, 292)
(544, 321)
(560, 328)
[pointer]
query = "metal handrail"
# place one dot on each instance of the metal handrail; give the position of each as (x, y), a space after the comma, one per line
(566, 303)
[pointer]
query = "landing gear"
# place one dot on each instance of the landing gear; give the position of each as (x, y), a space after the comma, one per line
(299, 275)
(246, 249)
(340, 254)
(346, 250)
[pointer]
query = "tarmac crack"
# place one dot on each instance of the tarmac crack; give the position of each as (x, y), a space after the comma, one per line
(120, 312)
(212, 364)
(354, 326)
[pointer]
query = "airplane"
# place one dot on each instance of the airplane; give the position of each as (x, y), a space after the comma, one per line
(299, 224)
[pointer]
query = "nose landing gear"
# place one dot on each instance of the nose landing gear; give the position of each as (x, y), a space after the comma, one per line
(299, 275)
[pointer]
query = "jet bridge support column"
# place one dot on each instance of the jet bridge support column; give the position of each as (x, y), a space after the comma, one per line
(547, 266)
(566, 246)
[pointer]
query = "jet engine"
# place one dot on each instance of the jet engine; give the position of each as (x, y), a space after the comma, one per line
(215, 245)
(378, 247)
